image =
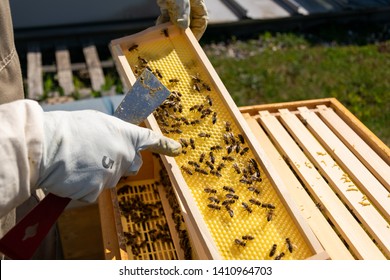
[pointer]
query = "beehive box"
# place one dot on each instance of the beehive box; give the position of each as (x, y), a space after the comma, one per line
(337, 171)
(235, 203)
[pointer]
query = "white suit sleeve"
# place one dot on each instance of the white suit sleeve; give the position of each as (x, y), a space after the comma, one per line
(21, 146)
(70, 154)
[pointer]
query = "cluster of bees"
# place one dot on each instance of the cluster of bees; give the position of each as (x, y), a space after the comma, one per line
(227, 153)
(140, 213)
(176, 213)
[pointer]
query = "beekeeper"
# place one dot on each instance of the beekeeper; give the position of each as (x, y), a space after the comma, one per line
(71, 154)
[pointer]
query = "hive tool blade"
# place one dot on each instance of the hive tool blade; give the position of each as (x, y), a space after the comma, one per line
(145, 96)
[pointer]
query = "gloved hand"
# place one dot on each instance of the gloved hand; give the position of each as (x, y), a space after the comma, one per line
(86, 151)
(184, 13)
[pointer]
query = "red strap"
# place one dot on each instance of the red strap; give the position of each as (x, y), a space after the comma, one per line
(21, 242)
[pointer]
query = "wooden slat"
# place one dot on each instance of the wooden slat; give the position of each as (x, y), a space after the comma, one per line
(370, 218)
(363, 178)
(64, 70)
(292, 105)
(372, 140)
(94, 67)
(331, 242)
(358, 240)
(357, 145)
(34, 72)
(113, 250)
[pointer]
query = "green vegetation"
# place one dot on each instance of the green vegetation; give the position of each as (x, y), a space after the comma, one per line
(292, 67)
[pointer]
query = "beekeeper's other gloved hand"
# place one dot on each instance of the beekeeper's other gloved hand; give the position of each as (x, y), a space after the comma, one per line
(184, 13)
(86, 151)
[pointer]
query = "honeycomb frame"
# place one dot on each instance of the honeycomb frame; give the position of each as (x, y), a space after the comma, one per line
(249, 230)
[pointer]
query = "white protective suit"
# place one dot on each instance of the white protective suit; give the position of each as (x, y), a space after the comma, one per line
(70, 154)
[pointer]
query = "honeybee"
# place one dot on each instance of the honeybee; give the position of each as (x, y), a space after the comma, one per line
(236, 168)
(242, 140)
(195, 78)
(124, 189)
(289, 245)
(165, 32)
(192, 108)
(220, 166)
(280, 256)
(205, 113)
(204, 135)
(214, 206)
(248, 237)
(232, 196)
(178, 124)
(268, 205)
(212, 158)
(246, 207)
(174, 80)
(209, 100)
(177, 130)
(184, 120)
(273, 250)
(216, 147)
(254, 190)
(239, 242)
(244, 151)
(214, 118)
(270, 215)
(230, 211)
(192, 143)
(194, 122)
(187, 170)
(215, 173)
(228, 126)
(206, 86)
(132, 48)
(197, 87)
(159, 73)
(228, 158)
(202, 156)
(214, 199)
(229, 149)
(200, 108)
(202, 171)
(210, 190)
(246, 181)
(256, 178)
(193, 163)
(209, 164)
(183, 142)
(229, 189)
(228, 202)
(254, 164)
(255, 202)
(143, 60)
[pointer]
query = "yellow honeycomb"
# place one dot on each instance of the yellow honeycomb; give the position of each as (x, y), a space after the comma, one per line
(245, 231)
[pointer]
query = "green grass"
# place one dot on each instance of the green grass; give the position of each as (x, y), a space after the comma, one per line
(290, 67)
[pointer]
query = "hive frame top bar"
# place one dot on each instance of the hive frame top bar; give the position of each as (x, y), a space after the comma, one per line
(118, 47)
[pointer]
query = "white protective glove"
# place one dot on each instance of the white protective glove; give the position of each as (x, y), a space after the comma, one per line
(184, 13)
(86, 151)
